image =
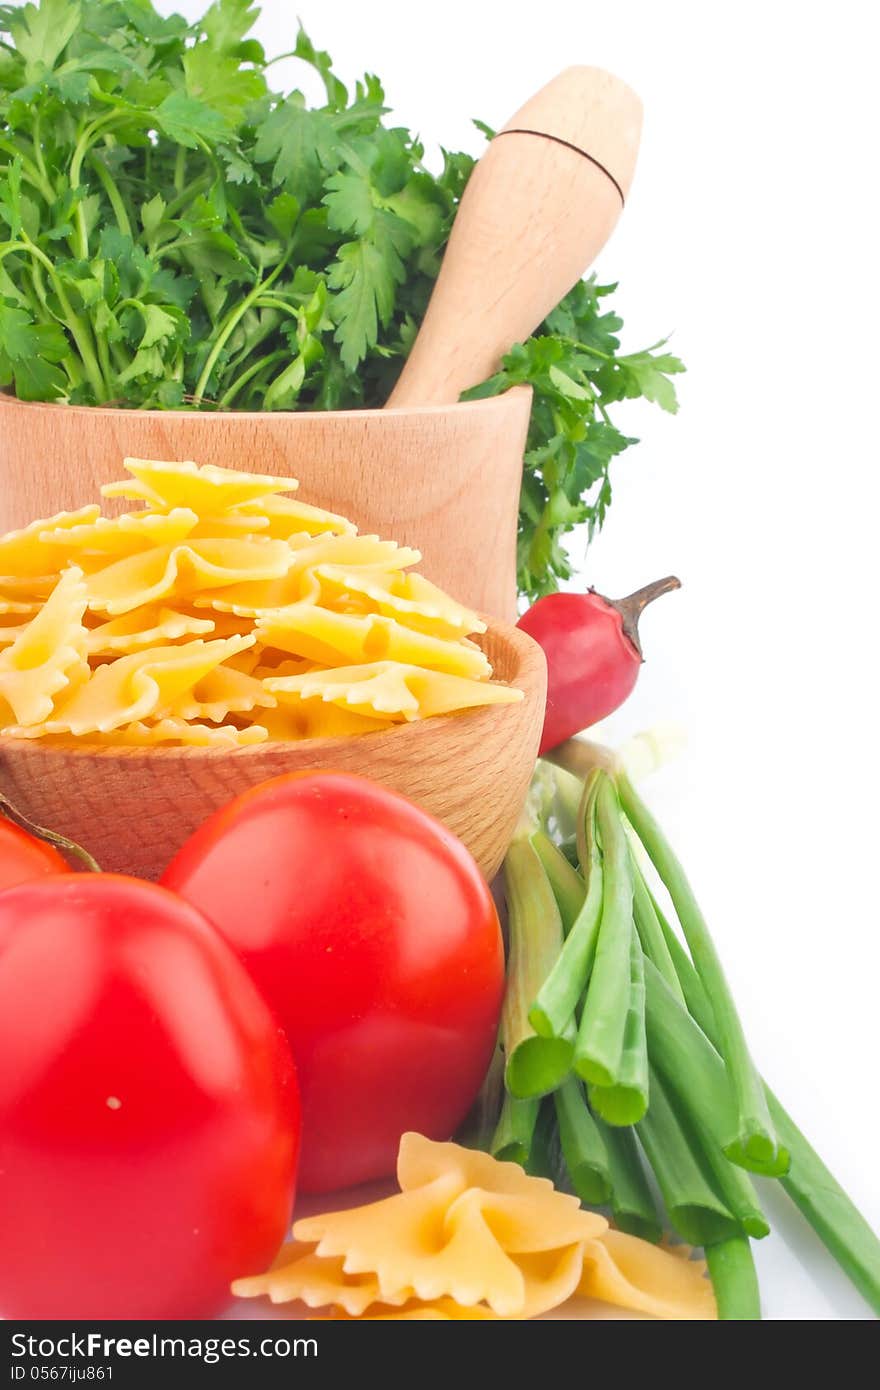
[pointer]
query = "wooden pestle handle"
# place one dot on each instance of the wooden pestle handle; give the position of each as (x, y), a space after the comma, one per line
(533, 217)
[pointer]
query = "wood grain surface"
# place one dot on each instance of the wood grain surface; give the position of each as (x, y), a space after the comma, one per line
(133, 808)
(443, 479)
(535, 214)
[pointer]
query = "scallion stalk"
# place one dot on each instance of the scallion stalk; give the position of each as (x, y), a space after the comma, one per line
(515, 1131)
(534, 1066)
(753, 1141)
(734, 1280)
(627, 1102)
(650, 932)
(599, 1047)
(632, 1203)
(583, 1148)
(695, 1209)
(568, 887)
(812, 1187)
(560, 993)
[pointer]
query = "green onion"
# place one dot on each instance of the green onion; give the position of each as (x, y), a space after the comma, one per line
(811, 1186)
(561, 991)
(632, 1204)
(514, 1133)
(752, 1142)
(534, 1065)
(545, 1157)
(650, 931)
(583, 1147)
(734, 1279)
(697, 1212)
(568, 887)
(626, 1103)
(599, 1046)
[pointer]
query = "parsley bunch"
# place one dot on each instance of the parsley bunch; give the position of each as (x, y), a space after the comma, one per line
(179, 235)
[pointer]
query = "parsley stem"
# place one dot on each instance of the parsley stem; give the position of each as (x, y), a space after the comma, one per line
(114, 197)
(29, 170)
(242, 380)
(232, 319)
(38, 145)
(78, 329)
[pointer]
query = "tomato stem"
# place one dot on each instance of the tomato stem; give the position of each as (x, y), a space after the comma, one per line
(50, 837)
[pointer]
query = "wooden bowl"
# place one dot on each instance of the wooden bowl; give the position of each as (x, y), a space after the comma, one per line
(445, 479)
(133, 808)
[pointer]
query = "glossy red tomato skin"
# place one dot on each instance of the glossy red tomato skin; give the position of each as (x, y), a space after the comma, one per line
(369, 928)
(149, 1114)
(23, 857)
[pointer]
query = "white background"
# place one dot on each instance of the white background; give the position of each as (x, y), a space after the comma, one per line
(751, 233)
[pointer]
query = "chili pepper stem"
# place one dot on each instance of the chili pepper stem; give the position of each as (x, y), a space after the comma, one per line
(49, 837)
(633, 606)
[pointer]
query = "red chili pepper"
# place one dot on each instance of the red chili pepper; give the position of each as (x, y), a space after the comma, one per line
(593, 654)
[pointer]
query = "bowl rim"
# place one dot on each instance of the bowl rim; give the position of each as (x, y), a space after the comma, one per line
(529, 676)
(484, 404)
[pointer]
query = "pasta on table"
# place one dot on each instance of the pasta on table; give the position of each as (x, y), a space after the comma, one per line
(222, 612)
(468, 1236)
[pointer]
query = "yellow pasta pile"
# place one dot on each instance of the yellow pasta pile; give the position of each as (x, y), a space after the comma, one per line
(223, 612)
(469, 1237)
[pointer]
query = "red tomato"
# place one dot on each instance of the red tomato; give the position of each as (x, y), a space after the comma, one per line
(24, 857)
(149, 1116)
(368, 926)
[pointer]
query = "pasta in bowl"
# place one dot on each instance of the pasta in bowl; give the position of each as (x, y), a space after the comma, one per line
(156, 663)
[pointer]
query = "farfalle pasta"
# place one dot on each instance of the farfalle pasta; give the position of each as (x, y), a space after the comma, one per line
(469, 1236)
(221, 612)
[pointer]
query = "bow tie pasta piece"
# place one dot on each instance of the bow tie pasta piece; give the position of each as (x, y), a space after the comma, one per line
(298, 719)
(171, 730)
(208, 490)
(137, 687)
(391, 690)
(12, 630)
(25, 555)
(232, 525)
(331, 638)
(250, 599)
(287, 516)
(47, 656)
(146, 627)
(410, 598)
(442, 1310)
(121, 535)
(25, 595)
(300, 1275)
(184, 571)
(222, 692)
(470, 1232)
(631, 1273)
